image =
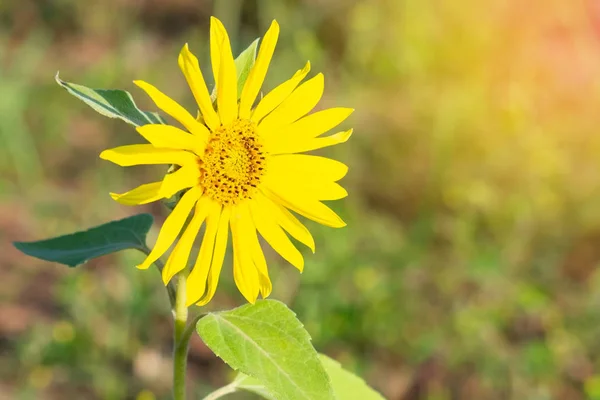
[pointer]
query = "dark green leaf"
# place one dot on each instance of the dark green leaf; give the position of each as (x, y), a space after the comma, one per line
(77, 248)
(112, 103)
(267, 342)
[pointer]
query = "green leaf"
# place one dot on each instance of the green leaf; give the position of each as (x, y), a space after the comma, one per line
(112, 103)
(243, 64)
(77, 248)
(345, 384)
(244, 382)
(267, 342)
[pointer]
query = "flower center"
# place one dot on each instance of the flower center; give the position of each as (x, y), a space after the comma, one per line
(233, 163)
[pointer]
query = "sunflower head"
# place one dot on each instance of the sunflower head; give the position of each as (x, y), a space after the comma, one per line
(233, 163)
(239, 168)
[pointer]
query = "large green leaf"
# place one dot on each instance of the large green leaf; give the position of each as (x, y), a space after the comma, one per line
(77, 248)
(112, 103)
(346, 385)
(267, 342)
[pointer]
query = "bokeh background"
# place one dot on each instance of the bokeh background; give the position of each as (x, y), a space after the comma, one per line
(468, 269)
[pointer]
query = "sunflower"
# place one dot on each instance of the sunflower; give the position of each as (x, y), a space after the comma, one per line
(238, 168)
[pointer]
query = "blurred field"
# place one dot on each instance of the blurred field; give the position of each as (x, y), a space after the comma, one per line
(468, 269)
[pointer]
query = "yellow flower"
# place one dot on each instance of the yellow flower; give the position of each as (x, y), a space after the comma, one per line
(239, 168)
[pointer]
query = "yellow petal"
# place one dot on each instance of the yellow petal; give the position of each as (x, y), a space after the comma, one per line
(310, 126)
(170, 137)
(290, 145)
(305, 206)
(227, 85)
(147, 154)
(217, 36)
(308, 166)
(276, 96)
(318, 123)
(274, 235)
(259, 70)
(218, 256)
(331, 191)
(316, 188)
(172, 226)
(287, 221)
(172, 108)
(188, 63)
(196, 281)
(244, 271)
(261, 267)
(250, 240)
(298, 104)
(183, 178)
(179, 256)
(140, 195)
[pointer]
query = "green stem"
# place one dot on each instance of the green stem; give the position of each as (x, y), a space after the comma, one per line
(181, 340)
(225, 390)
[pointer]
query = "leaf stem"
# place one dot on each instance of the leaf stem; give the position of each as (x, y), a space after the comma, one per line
(191, 328)
(181, 339)
(225, 390)
(170, 286)
(160, 265)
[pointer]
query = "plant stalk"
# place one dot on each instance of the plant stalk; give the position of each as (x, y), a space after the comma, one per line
(181, 340)
(225, 390)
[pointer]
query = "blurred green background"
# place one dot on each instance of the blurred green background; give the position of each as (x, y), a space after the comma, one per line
(468, 267)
